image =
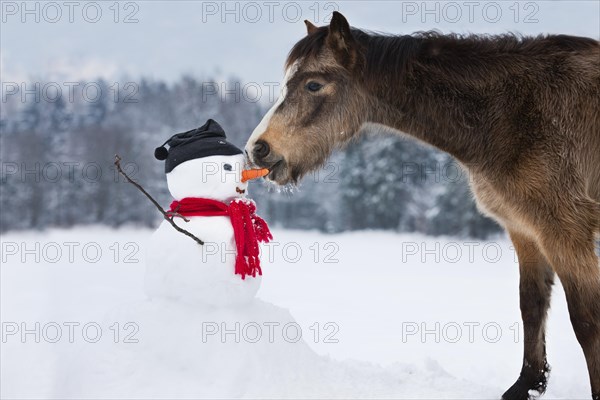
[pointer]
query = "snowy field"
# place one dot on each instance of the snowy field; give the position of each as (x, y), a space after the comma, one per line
(381, 315)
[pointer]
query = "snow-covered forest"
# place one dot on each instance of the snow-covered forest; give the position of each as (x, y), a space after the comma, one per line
(57, 163)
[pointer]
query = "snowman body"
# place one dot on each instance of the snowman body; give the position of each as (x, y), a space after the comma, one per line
(180, 269)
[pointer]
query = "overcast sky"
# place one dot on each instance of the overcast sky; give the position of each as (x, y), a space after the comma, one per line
(164, 39)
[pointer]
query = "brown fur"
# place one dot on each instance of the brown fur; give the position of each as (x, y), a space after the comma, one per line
(520, 113)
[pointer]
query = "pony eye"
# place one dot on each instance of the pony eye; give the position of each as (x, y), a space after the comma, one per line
(227, 167)
(313, 86)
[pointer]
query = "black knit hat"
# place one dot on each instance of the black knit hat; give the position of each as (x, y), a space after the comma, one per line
(208, 140)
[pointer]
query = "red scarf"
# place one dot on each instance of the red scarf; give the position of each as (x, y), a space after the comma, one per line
(248, 228)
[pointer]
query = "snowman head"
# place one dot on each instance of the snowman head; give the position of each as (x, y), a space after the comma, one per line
(213, 177)
(202, 163)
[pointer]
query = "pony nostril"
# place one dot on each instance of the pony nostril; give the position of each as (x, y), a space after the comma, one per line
(261, 149)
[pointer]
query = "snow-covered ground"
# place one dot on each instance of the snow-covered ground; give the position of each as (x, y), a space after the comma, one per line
(381, 315)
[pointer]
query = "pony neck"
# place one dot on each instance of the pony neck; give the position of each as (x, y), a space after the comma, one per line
(417, 86)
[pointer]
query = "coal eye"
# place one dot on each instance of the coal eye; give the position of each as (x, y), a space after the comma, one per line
(227, 167)
(313, 86)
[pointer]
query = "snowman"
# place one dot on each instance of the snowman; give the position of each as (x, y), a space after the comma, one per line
(206, 177)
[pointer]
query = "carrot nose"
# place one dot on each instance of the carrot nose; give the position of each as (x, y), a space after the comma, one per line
(249, 174)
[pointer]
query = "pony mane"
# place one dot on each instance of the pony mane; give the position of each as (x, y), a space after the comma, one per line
(392, 54)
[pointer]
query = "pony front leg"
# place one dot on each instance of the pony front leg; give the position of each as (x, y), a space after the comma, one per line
(535, 287)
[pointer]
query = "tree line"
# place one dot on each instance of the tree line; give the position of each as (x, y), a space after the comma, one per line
(57, 153)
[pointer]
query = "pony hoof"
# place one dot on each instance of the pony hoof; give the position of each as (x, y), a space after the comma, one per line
(530, 385)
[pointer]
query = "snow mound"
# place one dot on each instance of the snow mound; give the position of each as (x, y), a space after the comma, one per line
(249, 351)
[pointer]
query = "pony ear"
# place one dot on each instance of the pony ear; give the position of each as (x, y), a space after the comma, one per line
(341, 41)
(310, 27)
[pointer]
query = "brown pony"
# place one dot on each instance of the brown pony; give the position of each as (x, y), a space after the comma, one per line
(521, 114)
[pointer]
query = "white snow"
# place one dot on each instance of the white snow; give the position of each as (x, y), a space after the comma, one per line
(368, 295)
